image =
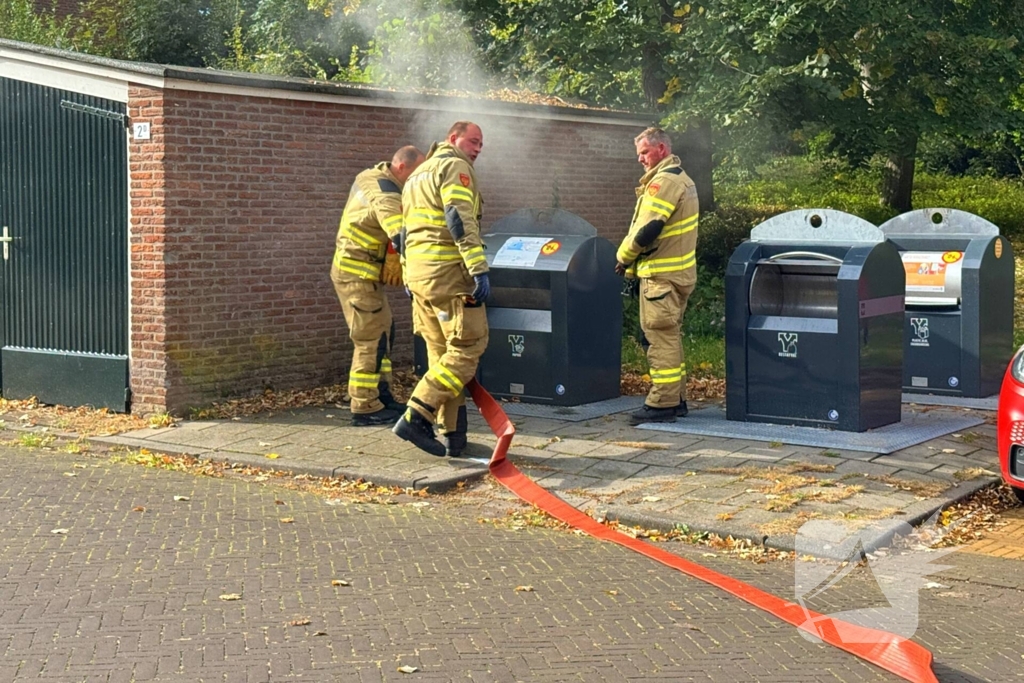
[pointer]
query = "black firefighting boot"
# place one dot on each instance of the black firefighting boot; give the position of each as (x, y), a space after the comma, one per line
(682, 410)
(649, 414)
(388, 399)
(384, 416)
(455, 442)
(418, 431)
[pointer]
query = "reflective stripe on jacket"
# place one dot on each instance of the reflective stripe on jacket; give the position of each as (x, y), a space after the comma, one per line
(372, 215)
(665, 194)
(432, 247)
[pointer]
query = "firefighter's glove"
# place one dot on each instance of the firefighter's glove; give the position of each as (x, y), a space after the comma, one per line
(483, 288)
(391, 273)
(396, 241)
(620, 269)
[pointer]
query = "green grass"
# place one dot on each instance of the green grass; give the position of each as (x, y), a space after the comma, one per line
(705, 356)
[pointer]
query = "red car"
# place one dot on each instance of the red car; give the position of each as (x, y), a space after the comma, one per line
(1010, 429)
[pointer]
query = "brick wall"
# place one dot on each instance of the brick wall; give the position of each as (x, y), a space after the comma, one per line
(235, 205)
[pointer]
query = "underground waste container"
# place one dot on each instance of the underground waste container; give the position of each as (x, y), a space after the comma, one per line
(555, 311)
(814, 323)
(958, 325)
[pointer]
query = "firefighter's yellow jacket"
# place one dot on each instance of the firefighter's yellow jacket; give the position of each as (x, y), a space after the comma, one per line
(662, 238)
(441, 206)
(372, 216)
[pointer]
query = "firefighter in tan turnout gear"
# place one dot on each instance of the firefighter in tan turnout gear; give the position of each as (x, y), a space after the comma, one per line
(446, 273)
(364, 261)
(660, 249)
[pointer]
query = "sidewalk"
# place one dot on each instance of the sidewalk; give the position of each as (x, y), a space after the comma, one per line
(753, 490)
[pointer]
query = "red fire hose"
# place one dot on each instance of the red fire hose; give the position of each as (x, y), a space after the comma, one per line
(894, 653)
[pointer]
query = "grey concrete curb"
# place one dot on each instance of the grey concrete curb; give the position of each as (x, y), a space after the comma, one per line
(881, 538)
(435, 484)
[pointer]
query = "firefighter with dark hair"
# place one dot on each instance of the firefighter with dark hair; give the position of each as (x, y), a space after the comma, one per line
(660, 249)
(365, 261)
(446, 274)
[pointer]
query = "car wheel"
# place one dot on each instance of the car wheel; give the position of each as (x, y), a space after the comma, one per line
(1019, 493)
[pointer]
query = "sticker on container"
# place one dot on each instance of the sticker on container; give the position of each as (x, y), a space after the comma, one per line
(999, 248)
(952, 256)
(520, 252)
(560, 390)
(550, 248)
(954, 382)
(833, 415)
(514, 388)
(926, 271)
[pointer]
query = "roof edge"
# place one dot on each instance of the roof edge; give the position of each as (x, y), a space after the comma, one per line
(392, 98)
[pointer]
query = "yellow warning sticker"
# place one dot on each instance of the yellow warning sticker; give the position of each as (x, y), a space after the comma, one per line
(952, 256)
(999, 248)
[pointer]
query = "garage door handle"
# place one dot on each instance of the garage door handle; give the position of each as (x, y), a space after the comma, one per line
(7, 239)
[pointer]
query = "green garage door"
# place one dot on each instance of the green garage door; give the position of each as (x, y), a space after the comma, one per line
(64, 266)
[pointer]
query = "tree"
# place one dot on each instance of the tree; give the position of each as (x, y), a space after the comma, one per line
(879, 73)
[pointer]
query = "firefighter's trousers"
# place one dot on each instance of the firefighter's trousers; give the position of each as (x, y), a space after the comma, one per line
(662, 304)
(456, 336)
(370, 327)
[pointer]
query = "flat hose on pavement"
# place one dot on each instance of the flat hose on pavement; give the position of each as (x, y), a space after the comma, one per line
(893, 653)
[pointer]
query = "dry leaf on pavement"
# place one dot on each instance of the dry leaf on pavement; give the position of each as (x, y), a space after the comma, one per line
(408, 669)
(340, 582)
(300, 622)
(524, 589)
(181, 498)
(58, 531)
(231, 596)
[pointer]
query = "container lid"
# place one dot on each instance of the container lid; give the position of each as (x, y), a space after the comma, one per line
(817, 226)
(939, 222)
(550, 222)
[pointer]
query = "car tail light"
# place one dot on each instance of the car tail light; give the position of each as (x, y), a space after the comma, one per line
(1017, 366)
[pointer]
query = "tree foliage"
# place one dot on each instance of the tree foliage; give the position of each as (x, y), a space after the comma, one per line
(872, 77)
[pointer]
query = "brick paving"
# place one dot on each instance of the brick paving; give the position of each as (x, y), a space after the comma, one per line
(658, 479)
(127, 595)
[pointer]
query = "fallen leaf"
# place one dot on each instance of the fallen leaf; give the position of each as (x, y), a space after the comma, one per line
(708, 555)
(287, 520)
(264, 444)
(524, 589)
(58, 531)
(278, 502)
(138, 508)
(71, 474)
(340, 582)
(651, 499)
(408, 669)
(320, 633)
(949, 450)
(612, 592)
(300, 622)
(273, 456)
(231, 596)
(181, 498)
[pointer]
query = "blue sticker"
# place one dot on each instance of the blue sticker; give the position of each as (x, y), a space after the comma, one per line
(954, 382)
(833, 415)
(560, 390)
